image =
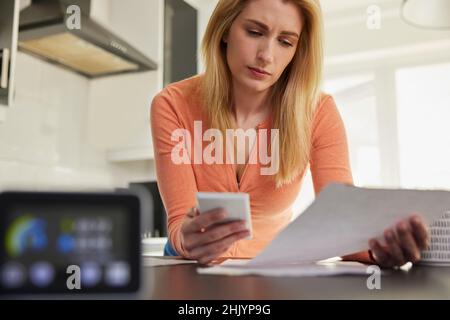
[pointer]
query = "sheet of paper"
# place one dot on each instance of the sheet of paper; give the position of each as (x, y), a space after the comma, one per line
(148, 261)
(343, 218)
(289, 270)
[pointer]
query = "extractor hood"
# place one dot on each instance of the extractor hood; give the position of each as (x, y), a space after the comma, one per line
(91, 50)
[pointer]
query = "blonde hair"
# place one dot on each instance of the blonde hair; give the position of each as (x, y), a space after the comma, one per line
(294, 96)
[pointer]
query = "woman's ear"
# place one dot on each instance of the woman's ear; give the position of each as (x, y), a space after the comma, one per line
(225, 38)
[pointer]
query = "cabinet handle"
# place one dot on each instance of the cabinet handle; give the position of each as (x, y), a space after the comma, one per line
(4, 68)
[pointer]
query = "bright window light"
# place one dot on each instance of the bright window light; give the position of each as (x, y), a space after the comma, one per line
(423, 113)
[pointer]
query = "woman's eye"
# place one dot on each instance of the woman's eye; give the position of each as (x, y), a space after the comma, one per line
(254, 33)
(285, 43)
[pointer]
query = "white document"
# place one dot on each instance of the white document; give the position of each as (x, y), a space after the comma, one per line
(237, 204)
(341, 221)
(149, 261)
(288, 270)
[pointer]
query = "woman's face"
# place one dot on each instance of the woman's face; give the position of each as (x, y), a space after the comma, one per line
(262, 38)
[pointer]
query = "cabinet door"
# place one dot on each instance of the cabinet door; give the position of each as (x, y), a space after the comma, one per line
(9, 20)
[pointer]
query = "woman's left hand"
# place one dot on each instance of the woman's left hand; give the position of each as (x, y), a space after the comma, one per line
(404, 242)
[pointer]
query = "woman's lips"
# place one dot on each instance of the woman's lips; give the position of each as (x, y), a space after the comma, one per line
(258, 73)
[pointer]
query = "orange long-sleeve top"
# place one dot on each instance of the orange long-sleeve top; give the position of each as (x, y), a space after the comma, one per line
(177, 106)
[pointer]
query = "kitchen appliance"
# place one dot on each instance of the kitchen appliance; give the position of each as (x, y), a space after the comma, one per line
(49, 29)
(9, 20)
(47, 236)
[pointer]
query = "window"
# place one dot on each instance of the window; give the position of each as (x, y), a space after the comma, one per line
(355, 99)
(423, 113)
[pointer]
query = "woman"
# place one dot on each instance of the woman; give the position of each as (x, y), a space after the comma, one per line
(263, 62)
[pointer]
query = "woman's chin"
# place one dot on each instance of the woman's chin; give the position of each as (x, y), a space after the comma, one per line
(256, 85)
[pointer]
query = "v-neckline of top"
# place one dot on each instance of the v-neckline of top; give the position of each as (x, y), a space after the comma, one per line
(238, 183)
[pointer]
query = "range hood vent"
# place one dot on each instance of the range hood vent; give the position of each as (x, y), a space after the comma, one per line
(91, 50)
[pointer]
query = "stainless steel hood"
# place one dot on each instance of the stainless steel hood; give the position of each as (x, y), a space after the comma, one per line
(9, 24)
(91, 50)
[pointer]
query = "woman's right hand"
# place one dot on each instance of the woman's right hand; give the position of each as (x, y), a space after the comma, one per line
(204, 238)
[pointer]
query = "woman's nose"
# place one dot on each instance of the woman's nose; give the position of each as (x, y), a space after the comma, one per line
(265, 52)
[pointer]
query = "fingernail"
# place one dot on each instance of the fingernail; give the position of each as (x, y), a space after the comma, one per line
(223, 215)
(402, 227)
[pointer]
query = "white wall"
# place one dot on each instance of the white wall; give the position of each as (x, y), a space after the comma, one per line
(118, 112)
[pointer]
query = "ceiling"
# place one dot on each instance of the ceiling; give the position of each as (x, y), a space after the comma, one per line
(330, 6)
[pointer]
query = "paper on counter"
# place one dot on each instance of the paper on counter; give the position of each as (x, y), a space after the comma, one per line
(148, 261)
(340, 221)
(289, 270)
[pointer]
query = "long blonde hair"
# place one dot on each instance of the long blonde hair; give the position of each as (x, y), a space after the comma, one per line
(294, 96)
